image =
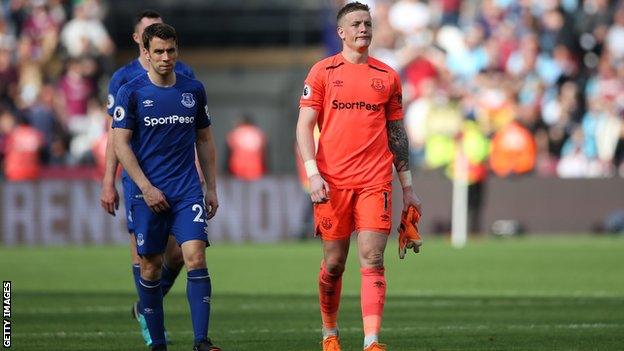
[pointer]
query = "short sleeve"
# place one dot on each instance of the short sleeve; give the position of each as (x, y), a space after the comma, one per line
(124, 113)
(188, 71)
(203, 115)
(394, 108)
(313, 94)
(113, 87)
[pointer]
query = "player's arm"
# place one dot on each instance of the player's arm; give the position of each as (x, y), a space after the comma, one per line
(399, 146)
(206, 155)
(409, 237)
(109, 198)
(153, 197)
(319, 189)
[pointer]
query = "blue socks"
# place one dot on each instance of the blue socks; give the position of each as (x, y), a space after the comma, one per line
(198, 292)
(150, 295)
(136, 273)
(168, 277)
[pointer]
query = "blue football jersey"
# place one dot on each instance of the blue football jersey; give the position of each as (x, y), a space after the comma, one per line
(132, 70)
(164, 122)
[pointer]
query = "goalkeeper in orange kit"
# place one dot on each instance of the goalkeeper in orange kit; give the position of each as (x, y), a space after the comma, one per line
(356, 102)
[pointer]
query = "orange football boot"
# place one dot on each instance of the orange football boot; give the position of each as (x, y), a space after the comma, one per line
(331, 343)
(375, 346)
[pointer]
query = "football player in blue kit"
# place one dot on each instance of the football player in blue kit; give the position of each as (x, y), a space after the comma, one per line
(109, 197)
(160, 120)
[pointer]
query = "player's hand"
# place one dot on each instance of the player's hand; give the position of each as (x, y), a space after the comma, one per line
(109, 198)
(211, 202)
(409, 236)
(155, 199)
(410, 199)
(319, 189)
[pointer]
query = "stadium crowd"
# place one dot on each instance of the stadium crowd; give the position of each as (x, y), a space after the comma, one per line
(513, 86)
(518, 86)
(54, 59)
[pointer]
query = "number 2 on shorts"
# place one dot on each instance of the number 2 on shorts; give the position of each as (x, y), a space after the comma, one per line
(200, 212)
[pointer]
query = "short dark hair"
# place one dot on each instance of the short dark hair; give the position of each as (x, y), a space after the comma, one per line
(145, 14)
(351, 7)
(159, 30)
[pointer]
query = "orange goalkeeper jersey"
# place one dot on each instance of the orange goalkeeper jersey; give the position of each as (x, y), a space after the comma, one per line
(354, 102)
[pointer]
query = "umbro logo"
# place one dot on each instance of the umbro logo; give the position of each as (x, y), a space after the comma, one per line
(148, 103)
(338, 83)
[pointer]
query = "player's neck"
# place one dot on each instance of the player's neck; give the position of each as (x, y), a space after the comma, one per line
(165, 81)
(354, 56)
(143, 62)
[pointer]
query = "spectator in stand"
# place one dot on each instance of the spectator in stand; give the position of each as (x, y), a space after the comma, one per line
(450, 10)
(8, 75)
(43, 116)
(577, 161)
(84, 35)
(75, 90)
(513, 151)
(615, 35)
(92, 128)
(42, 30)
(22, 147)
(247, 145)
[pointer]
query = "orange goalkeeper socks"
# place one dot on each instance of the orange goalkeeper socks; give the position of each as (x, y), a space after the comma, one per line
(330, 287)
(373, 298)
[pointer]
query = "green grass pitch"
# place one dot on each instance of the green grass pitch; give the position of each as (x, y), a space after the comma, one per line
(529, 293)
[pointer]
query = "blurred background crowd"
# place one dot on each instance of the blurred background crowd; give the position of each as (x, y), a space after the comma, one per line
(507, 86)
(55, 60)
(526, 86)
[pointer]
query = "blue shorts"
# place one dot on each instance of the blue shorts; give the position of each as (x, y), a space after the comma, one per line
(186, 220)
(125, 184)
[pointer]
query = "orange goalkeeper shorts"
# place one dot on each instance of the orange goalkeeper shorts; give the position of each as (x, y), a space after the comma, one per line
(349, 210)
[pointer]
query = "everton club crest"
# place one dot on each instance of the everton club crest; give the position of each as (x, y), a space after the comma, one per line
(187, 100)
(377, 84)
(326, 223)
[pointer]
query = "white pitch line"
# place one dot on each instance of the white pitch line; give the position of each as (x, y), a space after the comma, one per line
(573, 326)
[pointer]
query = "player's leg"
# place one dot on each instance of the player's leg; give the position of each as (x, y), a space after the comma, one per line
(135, 260)
(136, 268)
(189, 227)
(372, 215)
(172, 265)
(134, 257)
(151, 298)
(371, 246)
(333, 221)
(151, 239)
(330, 283)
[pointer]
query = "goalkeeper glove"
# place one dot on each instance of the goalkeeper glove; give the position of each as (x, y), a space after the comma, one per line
(409, 238)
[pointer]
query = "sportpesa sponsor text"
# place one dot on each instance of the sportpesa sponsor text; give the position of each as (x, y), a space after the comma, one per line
(355, 105)
(154, 121)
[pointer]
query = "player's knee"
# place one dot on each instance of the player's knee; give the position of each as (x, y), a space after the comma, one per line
(373, 259)
(174, 258)
(150, 272)
(151, 267)
(195, 261)
(334, 267)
